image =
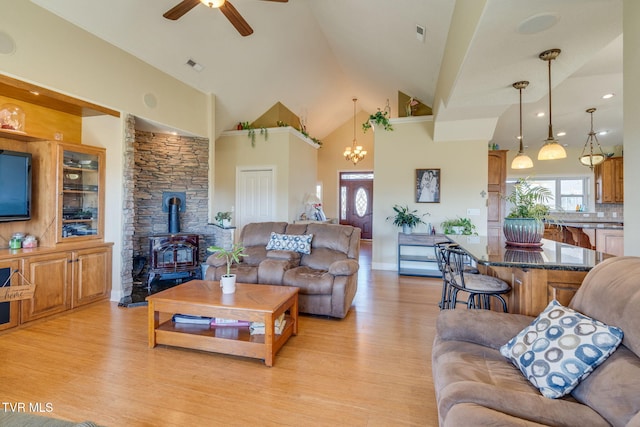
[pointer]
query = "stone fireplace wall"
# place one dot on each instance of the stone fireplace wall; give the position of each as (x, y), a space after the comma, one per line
(169, 163)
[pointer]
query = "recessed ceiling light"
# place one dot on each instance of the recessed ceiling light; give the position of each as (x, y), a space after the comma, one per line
(537, 23)
(561, 134)
(540, 114)
(608, 95)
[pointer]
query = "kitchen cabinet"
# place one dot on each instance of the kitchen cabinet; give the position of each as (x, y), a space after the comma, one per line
(496, 188)
(610, 241)
(609, 181)
(66, 279)
(51, 275)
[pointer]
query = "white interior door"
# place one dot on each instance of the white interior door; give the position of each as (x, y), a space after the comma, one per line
(255, 196)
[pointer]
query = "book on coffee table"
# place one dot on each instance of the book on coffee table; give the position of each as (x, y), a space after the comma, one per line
(218, 322)
(194, 320)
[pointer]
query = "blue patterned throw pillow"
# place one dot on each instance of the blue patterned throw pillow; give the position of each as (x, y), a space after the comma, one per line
(290, 242)
(560, 348)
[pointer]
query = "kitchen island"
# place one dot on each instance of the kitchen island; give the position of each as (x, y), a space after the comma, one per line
(536, 276)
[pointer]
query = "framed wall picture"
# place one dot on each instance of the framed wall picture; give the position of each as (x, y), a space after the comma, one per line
(427, 185)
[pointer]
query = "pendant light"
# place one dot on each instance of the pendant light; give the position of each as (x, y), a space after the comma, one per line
(551, 150)
(355, 153)
(589, 158)
(521, 160)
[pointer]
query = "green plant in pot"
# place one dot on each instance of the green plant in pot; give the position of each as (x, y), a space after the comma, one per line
(405, 218)
(524, 225)
(458, 226)
(380, 118)
(228, 280)
(223, 218)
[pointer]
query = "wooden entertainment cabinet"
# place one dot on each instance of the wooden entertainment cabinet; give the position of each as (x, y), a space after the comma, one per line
(72, 264)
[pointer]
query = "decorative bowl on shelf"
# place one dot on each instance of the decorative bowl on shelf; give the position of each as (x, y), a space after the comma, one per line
(12, 118)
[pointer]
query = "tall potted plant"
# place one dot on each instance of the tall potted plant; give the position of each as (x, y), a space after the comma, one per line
(228, 281)
(405, 218)
(524, 225)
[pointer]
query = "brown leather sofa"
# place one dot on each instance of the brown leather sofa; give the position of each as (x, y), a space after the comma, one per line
(327, 276)
(476, 385)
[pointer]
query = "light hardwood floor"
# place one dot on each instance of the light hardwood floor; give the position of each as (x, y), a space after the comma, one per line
(371, 369)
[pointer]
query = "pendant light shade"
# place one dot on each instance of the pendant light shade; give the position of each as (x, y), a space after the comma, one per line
(551, 150)
(591, 157)
(521, 160)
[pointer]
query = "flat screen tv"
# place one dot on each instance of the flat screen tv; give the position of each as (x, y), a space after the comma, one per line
(15, 186)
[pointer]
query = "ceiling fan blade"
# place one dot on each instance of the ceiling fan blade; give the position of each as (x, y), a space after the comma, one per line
(180, 9)
(236, 19)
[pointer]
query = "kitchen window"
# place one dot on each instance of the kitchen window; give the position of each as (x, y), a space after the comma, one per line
(569, 193)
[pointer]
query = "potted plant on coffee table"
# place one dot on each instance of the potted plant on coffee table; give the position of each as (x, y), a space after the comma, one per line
(228, 281)
(524, 225)
(405, 218)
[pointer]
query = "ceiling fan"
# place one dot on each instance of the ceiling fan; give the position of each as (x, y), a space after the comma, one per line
(225, 7)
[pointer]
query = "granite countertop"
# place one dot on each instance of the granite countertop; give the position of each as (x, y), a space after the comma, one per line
(590, 224)
(551, 256)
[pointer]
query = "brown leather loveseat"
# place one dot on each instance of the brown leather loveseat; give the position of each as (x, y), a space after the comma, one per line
(476, 385)
(327, 276)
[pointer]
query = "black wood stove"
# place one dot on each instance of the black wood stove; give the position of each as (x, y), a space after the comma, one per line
(173, 256)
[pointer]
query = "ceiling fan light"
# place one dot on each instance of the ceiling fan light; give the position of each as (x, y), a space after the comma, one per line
(213, 4)
(551, 150)
(521, 161)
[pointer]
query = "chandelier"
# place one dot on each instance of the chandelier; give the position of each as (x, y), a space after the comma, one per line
(521, 160)
(551, 150)
(355, 153)
(589, 158)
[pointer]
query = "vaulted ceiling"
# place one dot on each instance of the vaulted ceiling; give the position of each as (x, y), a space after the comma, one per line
(314, 56)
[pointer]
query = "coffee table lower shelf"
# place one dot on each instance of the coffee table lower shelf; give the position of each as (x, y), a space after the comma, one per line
(232, 340)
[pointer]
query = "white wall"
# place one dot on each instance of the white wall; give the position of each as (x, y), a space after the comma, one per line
(463, 170)
(294, 159)
(53, 53)
(631, 86)
(107, 131)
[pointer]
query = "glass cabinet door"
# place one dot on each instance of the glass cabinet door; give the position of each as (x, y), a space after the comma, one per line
(81, 195)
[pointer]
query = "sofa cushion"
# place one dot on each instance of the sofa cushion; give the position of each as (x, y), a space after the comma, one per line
(322, 258)
(331, 236)
(560, 348)
(613, 389)
(310, 281)
(258, 233)
(473, 373)
(254, 255)
(290, 242)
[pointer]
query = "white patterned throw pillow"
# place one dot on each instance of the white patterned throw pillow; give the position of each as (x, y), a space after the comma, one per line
(290, 242)
(560, 348)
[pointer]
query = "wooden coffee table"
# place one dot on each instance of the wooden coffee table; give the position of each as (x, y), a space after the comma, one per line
(254, 303)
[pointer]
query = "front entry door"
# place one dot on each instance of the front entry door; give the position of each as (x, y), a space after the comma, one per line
(356, 201)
